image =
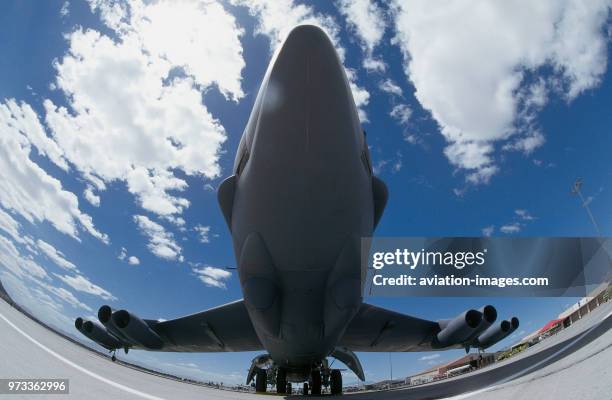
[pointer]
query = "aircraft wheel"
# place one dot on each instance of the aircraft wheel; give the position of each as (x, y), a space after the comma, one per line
(315, 377)
(289, 388)
(281, 380)
(261, 378)
(113, 358)
(336, 381)
(305, 390)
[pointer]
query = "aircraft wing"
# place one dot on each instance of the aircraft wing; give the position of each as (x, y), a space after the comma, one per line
(377, 329)
(224, 328)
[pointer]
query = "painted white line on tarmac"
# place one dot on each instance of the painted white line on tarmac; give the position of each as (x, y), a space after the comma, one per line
(79, 368)
(525, 371)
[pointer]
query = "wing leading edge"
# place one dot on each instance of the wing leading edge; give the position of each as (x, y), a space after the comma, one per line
(224, 328)
(376, 329)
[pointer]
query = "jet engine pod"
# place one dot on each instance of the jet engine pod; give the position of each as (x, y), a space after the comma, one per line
(136, 329)
(97, 333)
(495, 333)
(458, 329)
(514, 324)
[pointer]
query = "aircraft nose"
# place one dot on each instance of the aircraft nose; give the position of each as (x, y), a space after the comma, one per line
(307, 104)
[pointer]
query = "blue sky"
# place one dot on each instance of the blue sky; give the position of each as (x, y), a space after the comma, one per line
(119, 119)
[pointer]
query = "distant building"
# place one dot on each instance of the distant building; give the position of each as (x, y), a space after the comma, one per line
(462, 365)
(598, 296)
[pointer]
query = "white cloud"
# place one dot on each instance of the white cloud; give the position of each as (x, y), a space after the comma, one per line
(478, 103)
(203, 233)
(389, 86)
(139, 97)
(366, 19)
(27, 189)
(401, 113)
(65, 10)
(91, 197)
(430, 357)
(161, 243)
(19, 265)
(10, 226)
(123, 256)
(276, 18)
(511, 228)
(488, 230)
(212, 276)
(524, 215)
(66, 296)
(55, 255)
(82, 284)
(37, 301)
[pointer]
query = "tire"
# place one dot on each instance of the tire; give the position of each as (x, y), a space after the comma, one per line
(113, 358)
(281, 381)
(261, 378)
(305, 390)
(336, 382)
(289, 388)
(315, 377)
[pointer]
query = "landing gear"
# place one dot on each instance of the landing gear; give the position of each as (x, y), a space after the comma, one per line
(305, 389)
(261, 381)
(335, 381)
(113, 352)
(315, 377)
(289, 388)
(281, 381)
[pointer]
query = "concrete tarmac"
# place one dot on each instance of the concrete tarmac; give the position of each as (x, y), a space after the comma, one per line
(574, 364)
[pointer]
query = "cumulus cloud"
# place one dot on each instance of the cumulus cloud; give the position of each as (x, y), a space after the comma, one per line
(67, 296)
(524, 215)
(82, 284)
(276, 18)
(401, 113)
(139, 97)
(55, 255)
(203, 233)
(161, 242)
(19, 265)
(478, 104)
(366, 19)
(133, 260)
(389, 86)
(26, 188)
(91, 197)
(511, 228)
(488, 230)
(10, 226)
(212, 276)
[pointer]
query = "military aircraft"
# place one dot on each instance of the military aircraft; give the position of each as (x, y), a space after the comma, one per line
(301, 197)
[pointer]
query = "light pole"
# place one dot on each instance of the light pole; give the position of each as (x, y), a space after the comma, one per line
(576, 190)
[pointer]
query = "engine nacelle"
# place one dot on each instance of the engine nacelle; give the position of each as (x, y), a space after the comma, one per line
(496, 333)
(489, 315)
(97, 333)
(136, 329)
(105, 314)
(458, 329)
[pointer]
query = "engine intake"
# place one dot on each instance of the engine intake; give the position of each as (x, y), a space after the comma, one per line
(136, 329)
(105, 314)
(459, 329)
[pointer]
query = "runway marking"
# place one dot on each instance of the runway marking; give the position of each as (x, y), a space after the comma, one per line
(525, 371)
(82, 369)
